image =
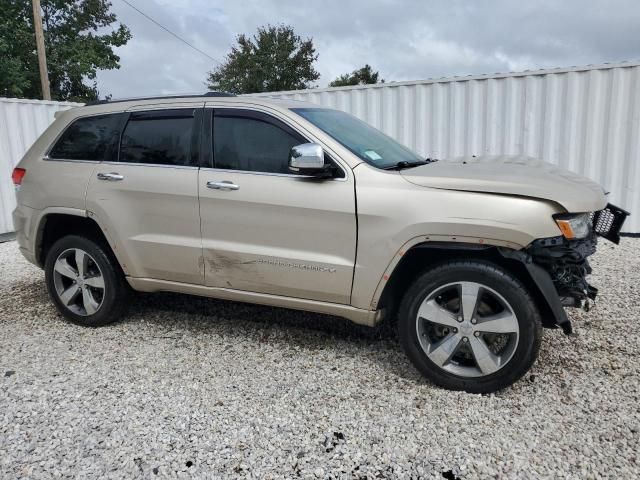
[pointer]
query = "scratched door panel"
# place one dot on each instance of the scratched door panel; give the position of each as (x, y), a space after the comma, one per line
(152, 217)
(279, 234)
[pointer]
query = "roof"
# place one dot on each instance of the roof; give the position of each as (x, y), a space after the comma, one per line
(180, 101)
(161, 97)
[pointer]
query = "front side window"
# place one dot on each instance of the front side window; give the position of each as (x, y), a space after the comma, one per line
(89, 138)
(252, 141)
(161, 138)
(368, 143)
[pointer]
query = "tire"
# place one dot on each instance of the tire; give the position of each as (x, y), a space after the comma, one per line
(452, 351)
(92, 296)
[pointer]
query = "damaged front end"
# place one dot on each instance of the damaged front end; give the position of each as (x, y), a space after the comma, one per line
(565, 262)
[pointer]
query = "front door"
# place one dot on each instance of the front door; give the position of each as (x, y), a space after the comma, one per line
(268, 231)
(146, 196)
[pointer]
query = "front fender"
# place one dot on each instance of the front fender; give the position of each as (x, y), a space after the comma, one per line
(426, 255)
(395, 215)
(452, 242)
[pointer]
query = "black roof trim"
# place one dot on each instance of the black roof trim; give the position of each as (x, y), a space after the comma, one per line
(165, 97)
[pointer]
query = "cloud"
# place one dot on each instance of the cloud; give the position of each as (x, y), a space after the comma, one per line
(404, 40)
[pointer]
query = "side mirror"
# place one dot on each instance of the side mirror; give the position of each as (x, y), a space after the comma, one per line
(308, 159)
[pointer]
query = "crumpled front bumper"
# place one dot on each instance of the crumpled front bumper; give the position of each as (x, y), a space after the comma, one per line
(564, 263)
(566, 260)
(559, 267)
(567, 264)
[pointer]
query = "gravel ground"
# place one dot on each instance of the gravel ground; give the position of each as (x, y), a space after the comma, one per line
(191, 387)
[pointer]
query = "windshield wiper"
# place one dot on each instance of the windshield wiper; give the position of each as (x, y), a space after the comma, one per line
(404, 164)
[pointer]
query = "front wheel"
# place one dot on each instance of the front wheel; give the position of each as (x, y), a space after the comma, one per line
(470, 325)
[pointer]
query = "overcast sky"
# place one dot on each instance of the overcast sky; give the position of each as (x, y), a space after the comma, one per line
(403, 40)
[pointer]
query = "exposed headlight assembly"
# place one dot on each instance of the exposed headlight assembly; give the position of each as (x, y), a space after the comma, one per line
(574, 226)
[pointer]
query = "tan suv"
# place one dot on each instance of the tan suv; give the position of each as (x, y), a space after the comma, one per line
(290, 204)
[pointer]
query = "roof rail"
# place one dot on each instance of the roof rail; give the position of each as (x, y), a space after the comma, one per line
(162, 97)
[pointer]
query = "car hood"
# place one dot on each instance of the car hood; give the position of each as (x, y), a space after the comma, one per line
(511, 175)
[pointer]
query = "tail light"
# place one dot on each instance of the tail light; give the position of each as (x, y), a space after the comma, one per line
(17, 176)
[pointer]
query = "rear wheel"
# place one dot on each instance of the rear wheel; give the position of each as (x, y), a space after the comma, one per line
(84, 282)
(470, 326)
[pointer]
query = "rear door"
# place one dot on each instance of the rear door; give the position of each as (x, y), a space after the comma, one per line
(146, 196)
(266, 230)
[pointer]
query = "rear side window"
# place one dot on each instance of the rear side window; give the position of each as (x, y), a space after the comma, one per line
(162, 138)
(89, 138)
(252, 141)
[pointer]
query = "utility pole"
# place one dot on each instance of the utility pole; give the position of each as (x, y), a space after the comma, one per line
(42, 55)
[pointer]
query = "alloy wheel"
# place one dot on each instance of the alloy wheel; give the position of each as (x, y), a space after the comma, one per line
(78, 281)
(467, 329)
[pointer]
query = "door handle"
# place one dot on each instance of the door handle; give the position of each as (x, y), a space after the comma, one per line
(223, 185)
(112, 177)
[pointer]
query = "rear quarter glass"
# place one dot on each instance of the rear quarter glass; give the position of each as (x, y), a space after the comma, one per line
(89, 138)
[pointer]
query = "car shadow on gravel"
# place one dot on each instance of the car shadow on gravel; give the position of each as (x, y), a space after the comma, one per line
(306, 330)
(259, 315)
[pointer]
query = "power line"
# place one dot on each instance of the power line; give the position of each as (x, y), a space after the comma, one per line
(170, 32)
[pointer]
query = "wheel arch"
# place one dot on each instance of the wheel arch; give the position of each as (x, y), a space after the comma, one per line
(423, 256)
(55, 224)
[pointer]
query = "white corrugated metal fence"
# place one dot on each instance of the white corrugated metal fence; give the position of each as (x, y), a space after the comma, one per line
(584, 119)
(21, 122)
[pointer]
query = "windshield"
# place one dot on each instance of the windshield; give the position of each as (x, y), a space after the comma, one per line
(368, 143)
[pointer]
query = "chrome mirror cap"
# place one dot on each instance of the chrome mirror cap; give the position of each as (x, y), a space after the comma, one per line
(307, 159)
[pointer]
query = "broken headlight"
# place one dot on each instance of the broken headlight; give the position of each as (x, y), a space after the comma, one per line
(574, 226)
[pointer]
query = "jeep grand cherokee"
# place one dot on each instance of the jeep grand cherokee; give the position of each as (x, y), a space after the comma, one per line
(290, 204)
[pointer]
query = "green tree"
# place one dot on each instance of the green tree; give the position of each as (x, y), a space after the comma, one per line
(274, 59)
(362, 76)
(79, 40)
